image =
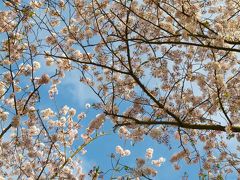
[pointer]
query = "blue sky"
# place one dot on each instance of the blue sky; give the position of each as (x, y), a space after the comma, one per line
(75, 94)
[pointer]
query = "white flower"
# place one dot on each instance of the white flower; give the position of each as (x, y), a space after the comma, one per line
(78, 54)
(119, 149)
(36, 65)
(123, 132)
(87, 106)
(122, 152)
(34, 131)
(127, 152)
(159, 161)
(49, 61)
(149, 153)
(3, 115)
(47, 113)
(72, 112)
(73, 133)
(82, 115)
(86, 138)
(64, 110)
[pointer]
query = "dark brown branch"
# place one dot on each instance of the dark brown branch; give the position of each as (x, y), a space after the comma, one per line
(215, 127)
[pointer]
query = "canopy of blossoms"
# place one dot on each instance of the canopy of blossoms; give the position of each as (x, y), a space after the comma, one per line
(166, 69)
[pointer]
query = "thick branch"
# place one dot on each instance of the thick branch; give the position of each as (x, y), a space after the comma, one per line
(214, 127)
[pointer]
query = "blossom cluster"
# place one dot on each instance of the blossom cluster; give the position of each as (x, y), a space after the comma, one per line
(161, 69)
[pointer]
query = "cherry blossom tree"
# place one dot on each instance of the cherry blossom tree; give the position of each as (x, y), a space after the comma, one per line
(167, 69)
